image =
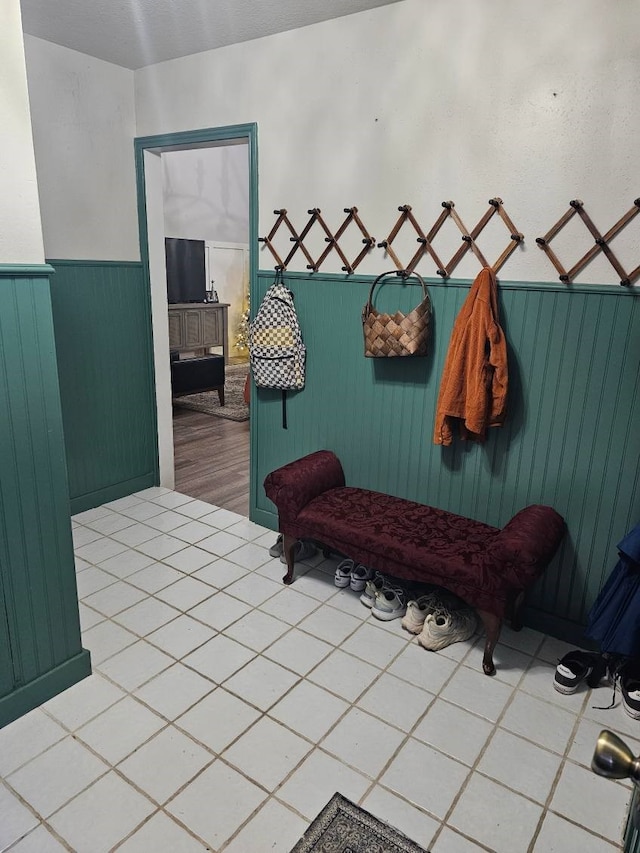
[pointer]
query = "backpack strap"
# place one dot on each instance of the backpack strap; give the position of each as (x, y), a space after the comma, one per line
(284, 409)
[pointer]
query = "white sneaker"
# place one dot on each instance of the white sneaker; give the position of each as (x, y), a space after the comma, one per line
(342, 577)
(390, 603)
(359, 576)
(447, 627)
(419, 608)
(417, 611)
(372, 588)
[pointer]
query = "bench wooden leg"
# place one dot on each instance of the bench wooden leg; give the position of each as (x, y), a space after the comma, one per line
(516, 611)
(288, 546)
(492, 625)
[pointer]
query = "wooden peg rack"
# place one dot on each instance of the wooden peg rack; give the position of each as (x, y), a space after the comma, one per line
(332, 240)
(425, 240)
(406, 218)
(601, 243)
(468, 238)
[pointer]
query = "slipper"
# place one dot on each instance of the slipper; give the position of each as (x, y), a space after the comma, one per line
(575, 667)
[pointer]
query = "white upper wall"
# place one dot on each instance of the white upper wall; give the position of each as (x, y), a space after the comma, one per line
(206, 193)
(20, 228)
(83, 118)
(409, 103)
(423, 102)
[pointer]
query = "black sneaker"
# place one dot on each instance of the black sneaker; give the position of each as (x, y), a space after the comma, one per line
(630, 688)
(576, 667)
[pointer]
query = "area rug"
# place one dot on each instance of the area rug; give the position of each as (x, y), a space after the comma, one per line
(343, 827)
(234, 409)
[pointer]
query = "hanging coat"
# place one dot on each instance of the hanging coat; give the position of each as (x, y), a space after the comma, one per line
(614, 619)
(473, 388)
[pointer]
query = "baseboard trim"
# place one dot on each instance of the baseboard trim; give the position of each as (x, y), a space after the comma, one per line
(562, 629)
(113, 492)
(32, 695)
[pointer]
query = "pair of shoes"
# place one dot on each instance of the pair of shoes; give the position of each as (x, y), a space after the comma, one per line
(444, 627)
(302, 551)
(352, 574)
(418, 609)
(355, 575)
(578, 666)
(390, 603)
(277, 548)
(385, 601)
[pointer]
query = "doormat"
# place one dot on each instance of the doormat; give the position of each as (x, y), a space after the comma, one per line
(234, 409)
(343, 827)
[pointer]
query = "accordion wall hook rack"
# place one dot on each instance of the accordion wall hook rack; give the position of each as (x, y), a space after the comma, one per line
(469, 238)
(406, 219)
(426, 240)
(332, 240)
(601, 243)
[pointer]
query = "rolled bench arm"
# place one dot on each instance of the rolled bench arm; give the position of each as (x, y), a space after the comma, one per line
(526, 544)
(294, 485)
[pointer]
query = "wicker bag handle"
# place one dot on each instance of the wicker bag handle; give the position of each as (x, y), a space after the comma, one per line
(369, 305)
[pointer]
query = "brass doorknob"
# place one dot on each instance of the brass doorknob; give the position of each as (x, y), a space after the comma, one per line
(613, 759)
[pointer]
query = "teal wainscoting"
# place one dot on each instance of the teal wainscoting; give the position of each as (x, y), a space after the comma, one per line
(102, 326)
(571, 439)
(40, 647)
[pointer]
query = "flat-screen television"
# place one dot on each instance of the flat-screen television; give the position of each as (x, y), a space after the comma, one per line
(185, 270)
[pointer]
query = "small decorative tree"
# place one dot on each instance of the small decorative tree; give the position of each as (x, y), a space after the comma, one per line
(242, 331)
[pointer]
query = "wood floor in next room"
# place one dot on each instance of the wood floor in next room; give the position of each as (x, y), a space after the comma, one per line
(212, 459)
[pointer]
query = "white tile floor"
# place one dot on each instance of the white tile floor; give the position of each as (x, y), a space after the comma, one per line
(225, 709)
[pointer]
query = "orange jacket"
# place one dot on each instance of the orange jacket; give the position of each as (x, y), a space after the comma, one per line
(473, 389)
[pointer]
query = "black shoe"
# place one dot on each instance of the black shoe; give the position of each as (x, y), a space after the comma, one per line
(630, 688)
(576, 667)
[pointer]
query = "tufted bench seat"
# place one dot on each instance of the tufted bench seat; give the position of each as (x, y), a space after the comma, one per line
(487, 567)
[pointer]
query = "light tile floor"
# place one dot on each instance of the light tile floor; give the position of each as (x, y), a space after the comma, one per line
(225, 709)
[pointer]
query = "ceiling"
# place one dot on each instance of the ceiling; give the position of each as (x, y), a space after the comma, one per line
(135, 33)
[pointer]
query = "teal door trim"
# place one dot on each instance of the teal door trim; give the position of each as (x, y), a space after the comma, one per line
(188, 139)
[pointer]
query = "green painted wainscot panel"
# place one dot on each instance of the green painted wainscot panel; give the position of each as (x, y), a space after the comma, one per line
(571, 439)
(102, 324)
(40, 648)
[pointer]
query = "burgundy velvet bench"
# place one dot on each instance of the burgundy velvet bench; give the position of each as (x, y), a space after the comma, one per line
(487, 567)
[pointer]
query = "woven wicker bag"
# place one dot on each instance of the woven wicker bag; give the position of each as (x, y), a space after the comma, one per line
(391, 335)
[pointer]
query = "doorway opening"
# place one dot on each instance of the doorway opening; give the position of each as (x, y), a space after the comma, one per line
(186, 183)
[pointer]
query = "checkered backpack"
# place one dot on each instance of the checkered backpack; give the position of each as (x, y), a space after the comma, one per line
(276, 350)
